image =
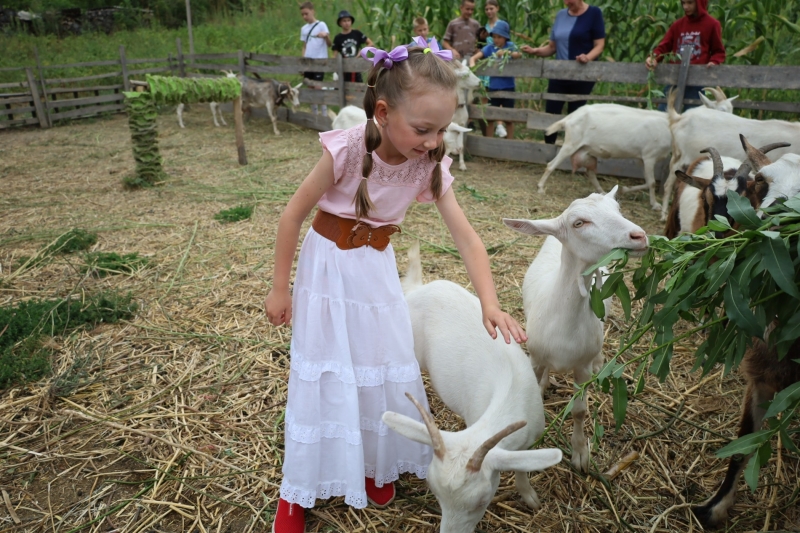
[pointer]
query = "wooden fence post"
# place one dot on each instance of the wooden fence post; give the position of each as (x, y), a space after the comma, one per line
(171, 63)
(44, 86)
(683, 75)
(37, 102)
(241, 63)
(181, 67)
(126, 84)
(340, 70)
(239, 123)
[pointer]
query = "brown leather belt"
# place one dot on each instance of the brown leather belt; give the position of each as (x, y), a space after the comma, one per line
(348, 233)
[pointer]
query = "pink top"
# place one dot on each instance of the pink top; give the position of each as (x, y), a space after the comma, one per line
(392, 188)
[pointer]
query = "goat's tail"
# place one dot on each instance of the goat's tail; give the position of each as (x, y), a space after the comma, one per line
(557, 126)
(672, 114)
(413, 278)
(331, 114)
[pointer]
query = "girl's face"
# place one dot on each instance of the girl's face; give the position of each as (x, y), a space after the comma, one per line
(417, 124)
(491, 11)
(421, 31)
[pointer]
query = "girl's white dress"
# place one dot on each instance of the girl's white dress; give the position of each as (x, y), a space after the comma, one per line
(352, 350)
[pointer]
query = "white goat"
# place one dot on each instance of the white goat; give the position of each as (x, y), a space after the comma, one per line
(454, 142)
(563, 332)
(612, 131)
(348, 117)
(467, 83)
(699, 128)
(502, 408)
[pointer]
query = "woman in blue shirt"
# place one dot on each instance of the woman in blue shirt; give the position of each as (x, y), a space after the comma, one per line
(578, 33)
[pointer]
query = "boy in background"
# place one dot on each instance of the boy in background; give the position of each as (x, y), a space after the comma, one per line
(698, 29)
(349, 42)
(316, 40)
(421, 28)
(501, 45)
(461, 34)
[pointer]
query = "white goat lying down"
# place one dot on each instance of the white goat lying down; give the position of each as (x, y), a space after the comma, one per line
(501, 407)
(699, 128)
(269, 94)
(564, 334)
(612, 131)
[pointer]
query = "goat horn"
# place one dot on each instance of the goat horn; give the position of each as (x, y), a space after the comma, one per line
(718, 93)
(716, 159)
(476, 461)
(756, 157)
(744, 170)
(436, 436)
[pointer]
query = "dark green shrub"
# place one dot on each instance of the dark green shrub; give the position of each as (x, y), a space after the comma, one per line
(235, 214)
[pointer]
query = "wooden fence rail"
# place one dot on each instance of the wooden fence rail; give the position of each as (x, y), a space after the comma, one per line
(36, 99)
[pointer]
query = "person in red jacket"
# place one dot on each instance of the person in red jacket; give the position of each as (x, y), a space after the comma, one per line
(698, 29)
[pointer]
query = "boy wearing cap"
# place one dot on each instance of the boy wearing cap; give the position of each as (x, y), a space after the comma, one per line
(348, 42)
(501, 45)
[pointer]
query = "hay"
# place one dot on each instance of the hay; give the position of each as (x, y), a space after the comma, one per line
(173, 421)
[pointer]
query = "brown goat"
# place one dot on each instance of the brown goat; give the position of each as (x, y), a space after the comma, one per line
(764, 372)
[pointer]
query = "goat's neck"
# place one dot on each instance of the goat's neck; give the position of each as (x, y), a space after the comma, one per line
(508, 401)
(571, 278)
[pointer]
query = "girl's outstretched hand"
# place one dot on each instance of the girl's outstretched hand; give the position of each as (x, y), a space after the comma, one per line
(494, 318)
(278, 306)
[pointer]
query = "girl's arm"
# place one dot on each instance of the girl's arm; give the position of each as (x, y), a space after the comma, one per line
(278, 303)
(476, 260)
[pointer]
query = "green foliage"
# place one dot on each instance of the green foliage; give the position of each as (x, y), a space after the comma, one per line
(75, 240)
(729, 287)
(103, 264)
(24, 356)
(170, 90)
(142, 114)
(235, 214)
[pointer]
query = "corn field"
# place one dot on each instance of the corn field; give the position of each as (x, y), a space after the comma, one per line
(768, 31)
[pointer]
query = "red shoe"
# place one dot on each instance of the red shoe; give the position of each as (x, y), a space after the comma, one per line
(290, 518)
(380, 497)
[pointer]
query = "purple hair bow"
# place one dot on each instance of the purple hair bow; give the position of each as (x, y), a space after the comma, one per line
(433, 48)
(400, 53)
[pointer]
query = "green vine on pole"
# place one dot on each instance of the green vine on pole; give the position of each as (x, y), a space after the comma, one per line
(142, 113)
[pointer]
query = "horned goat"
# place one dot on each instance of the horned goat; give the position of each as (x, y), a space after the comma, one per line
(765, 373)
(702, 190)
(698, 128)
(564, 334)
(467, 83)
(612, 131)
(502, 408)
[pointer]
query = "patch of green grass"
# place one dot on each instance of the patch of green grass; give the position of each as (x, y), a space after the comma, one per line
(75, 240)
(103, 264)
(24, 353)
(235, 214)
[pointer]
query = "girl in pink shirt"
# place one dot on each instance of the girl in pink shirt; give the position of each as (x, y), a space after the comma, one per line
(352, 349)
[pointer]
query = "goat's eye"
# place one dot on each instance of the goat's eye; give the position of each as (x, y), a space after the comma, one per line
(577, 224)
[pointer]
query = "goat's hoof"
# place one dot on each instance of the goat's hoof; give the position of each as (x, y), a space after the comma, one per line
(710, 516)
(462, 167)
(580, 459)
(663, 217)
(540, 190)
(656, 207)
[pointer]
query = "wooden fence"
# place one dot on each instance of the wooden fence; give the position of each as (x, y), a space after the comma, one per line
(43, 96)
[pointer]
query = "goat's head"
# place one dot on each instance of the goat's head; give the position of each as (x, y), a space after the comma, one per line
(720, 102)
(589, 228)
(715, 189)
(454, 138)
(466, 78)
(229, 73)
(780, 179)
(464, 474)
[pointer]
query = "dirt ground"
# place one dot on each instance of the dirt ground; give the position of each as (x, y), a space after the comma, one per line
(172, 421)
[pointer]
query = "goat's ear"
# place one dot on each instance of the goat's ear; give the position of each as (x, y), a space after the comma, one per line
(532, 227)
(407, 427)
(457, 127)
(284, 91)
(732, 98)
(613, 192)
(502, 460)
(296, 87)
(706, 102)
(700, 183)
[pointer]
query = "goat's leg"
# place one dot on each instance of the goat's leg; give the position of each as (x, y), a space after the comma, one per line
(271, 111)
(542, 376)
(180, 115)
(523, 484)
(213, 106)
(565, 151)
(650, 180)
(580, 448)
(590, 162)
(714, 511)
(461, 165)
(668, 186)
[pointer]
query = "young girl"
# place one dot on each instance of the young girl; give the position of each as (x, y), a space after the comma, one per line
(352, 350)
